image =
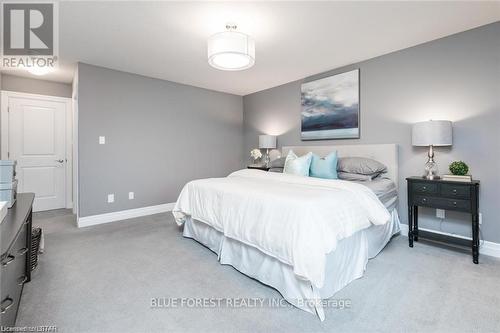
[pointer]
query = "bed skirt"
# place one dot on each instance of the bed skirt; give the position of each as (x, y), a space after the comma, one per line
(345, 264)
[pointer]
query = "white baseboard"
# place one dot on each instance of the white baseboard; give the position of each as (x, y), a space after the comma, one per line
(486, 248)
(87, 221)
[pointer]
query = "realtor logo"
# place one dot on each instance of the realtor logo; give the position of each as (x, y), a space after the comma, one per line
(29, 35)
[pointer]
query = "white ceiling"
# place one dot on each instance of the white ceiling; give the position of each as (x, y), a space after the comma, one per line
(167, 40)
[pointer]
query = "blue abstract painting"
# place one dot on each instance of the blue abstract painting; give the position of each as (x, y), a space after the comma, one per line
(330, 107)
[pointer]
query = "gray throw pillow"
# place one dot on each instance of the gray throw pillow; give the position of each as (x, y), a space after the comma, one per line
(360, 165)
(357, 176)
(276, 170)
(278, 163)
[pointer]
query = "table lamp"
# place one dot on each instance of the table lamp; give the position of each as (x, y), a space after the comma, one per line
(430, 134)
(267, 142)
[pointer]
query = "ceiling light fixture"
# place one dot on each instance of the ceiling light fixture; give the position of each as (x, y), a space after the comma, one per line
(231, 50)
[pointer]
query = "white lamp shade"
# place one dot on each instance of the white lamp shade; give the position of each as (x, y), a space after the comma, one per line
(267, 141)
(432, 132)
(231, 51)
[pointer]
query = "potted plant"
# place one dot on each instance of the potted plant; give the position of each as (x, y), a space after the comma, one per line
(459, 168)
(459, 172)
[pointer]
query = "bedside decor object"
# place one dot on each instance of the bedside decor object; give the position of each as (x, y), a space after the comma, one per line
(459, 172)
(459, 168)
(453, 178)
(442, 194)
(267, 142)
(330, 107)
(255, 154)
(430, 134)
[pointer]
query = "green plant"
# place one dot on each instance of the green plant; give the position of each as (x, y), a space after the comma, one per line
(459, 168)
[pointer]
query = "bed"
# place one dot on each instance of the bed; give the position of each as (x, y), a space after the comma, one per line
(229, 217)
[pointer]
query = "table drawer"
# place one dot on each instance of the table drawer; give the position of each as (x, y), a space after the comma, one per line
(455, 191)
(456, 204)
(418, 187)
(442, 203)
(13, 272)
(9, 304)
(13, 279)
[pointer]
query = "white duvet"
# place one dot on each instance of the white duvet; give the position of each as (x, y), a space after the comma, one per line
(297, 220)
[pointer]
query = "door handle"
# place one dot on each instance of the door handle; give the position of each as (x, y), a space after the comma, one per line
(60, 161)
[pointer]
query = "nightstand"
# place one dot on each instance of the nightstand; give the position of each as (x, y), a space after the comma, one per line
(258, 167)
(448, 195)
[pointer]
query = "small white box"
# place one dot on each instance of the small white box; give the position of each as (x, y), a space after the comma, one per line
(3, 210)
(7, 171)
(8, 192)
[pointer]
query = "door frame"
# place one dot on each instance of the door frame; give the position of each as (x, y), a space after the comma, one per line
(4, 123)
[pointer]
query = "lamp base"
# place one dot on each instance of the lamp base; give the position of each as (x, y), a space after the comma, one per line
(431, 177)
(431, 169)
(267, 159)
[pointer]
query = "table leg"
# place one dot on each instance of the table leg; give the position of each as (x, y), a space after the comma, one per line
(475, 238)
(415, 223)
(410, 225)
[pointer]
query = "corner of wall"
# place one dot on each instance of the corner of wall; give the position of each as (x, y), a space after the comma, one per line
(76, 183)
(0, 104)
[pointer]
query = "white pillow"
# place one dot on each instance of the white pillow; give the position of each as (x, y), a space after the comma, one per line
(297, 165)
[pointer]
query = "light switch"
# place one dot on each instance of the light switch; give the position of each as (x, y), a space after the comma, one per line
(102, 140)
(130, 195)
(111, 198)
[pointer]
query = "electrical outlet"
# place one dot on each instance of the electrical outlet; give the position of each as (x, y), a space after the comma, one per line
(130, 195)
(111, 198)
(440, 213)
(102, 140)
(480, 218)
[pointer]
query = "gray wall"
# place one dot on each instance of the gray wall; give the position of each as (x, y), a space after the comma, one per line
(35, 86)
(159, 135)
(455, 78)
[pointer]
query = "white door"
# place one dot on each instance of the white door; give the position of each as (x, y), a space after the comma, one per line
(37, 140)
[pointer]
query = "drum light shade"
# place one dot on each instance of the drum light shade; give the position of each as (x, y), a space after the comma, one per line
(231, 51)
(432, 133)
(267, 141)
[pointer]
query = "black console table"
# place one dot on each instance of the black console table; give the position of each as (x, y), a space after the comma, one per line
(15, 268)
(448, 195)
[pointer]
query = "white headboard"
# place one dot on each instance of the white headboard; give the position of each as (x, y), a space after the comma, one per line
(384, 153)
